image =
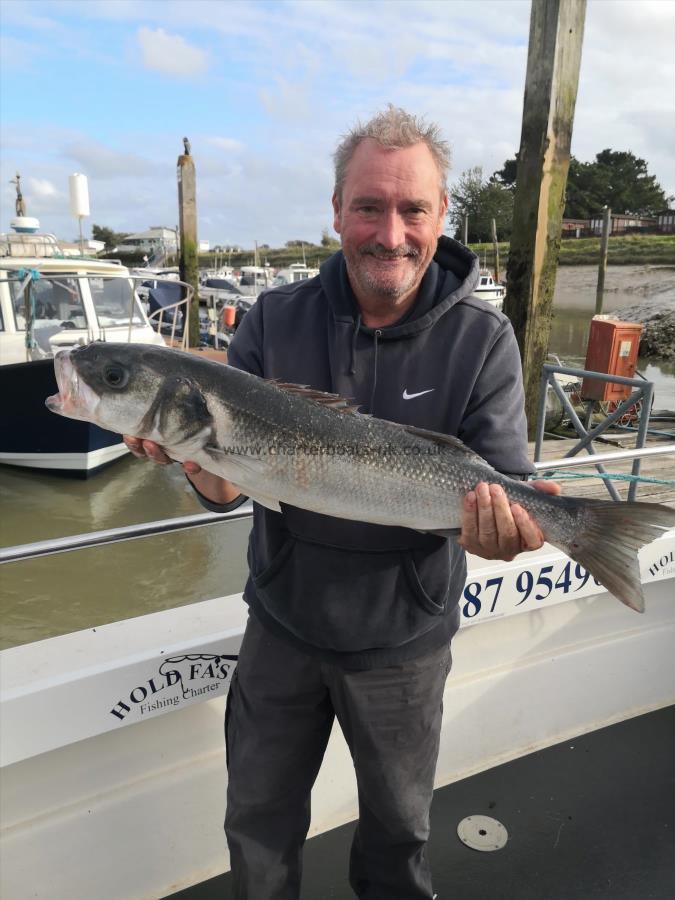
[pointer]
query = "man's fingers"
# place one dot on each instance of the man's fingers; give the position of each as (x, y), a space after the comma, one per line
(146, 450)
(508, 536)
(156, 454)
(494, 528)
(469, 521)
(487, 527)
(547, 487)
(531, 537)
(135, 445)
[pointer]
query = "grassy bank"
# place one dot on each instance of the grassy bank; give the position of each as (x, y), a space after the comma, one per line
(624, 250)
(633, 249)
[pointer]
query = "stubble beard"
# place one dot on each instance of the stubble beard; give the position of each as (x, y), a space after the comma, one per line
(389, 287)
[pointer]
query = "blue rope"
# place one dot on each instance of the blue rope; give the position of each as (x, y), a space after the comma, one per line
(609, 476)
(26, 275)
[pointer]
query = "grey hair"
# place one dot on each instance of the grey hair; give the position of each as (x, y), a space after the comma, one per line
(394, 128)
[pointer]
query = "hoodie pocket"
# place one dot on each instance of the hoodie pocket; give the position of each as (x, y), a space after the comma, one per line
(350, 600)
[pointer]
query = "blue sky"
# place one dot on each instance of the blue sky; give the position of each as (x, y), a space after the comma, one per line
(265, 89)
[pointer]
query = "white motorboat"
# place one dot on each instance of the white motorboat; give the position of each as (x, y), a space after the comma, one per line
(111, 747)
(295, 272)
(254, 279)
(47, 303)
(489, 289)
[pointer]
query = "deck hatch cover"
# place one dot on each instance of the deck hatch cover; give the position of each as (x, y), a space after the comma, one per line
(482, 833)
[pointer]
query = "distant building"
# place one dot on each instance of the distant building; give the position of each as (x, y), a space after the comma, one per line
(72, 248)
(204, 246)
(622, 223)
(665, 221)
(575, 228)
(157, 237)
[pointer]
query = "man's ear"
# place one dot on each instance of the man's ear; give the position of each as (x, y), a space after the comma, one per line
(441, 216)
(336, 212)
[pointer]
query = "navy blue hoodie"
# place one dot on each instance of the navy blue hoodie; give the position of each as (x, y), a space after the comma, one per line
(370, 595)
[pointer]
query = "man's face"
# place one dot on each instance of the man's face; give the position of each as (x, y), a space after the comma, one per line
(389, 217)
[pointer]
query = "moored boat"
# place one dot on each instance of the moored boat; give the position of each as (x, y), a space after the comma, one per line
(48, 303)
(489, 289)
(295, 272)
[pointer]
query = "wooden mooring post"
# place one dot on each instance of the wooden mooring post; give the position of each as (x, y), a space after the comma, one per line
(602, 266)
(188, 254)
(553, 60)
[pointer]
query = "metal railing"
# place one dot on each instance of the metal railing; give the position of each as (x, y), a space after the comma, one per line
(643, 392)
(134, 318)
(53, 546)
(158, 317)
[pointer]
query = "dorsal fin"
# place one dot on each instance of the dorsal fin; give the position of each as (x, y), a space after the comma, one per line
(333, 401)
(446, 440)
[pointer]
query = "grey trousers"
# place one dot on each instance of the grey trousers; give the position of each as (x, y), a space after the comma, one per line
(280, 711)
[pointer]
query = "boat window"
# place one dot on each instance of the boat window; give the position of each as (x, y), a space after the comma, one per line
(483, 281)
(56, 302)
(114, 302)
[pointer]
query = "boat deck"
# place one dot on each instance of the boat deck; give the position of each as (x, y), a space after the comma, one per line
(659, 467)
(592, 817)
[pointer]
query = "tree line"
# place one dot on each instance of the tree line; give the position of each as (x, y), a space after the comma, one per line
(615, 178)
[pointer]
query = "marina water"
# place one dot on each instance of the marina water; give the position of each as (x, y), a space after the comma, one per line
(87, 588)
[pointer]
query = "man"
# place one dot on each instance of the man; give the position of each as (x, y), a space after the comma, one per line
(350, 619)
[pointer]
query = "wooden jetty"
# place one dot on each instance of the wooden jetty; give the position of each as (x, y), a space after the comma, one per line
(659, 467)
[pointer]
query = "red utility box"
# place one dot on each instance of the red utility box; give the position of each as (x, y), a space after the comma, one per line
(613, 349)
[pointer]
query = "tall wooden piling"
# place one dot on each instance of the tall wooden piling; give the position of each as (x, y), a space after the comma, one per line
(188, 255)
(553, 60)
(602, 266)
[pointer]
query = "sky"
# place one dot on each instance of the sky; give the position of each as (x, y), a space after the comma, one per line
(264, 90)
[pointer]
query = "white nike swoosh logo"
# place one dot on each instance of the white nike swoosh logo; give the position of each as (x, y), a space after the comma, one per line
(407, 396)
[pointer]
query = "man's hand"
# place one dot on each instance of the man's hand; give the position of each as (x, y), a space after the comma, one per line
(495, 528)
(211, 486)
(150, 450)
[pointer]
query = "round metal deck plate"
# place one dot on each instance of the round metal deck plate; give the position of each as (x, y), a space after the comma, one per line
(482, 833)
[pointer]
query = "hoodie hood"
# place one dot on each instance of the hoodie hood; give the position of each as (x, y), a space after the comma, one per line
(451, 276)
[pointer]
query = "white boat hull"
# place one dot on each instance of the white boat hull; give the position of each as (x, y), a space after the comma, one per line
(68, 462)
(104, 799)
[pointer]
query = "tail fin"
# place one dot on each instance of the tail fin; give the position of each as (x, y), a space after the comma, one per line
(608, 542)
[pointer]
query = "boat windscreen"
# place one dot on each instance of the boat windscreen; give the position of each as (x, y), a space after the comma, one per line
(114, 301)
(54, 301)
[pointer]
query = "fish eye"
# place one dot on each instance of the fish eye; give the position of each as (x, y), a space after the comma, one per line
(115, 376)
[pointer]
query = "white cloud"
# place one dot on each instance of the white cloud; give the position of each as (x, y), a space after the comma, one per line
(225, 143)
(41, 187)
(14, 52)
(98, 160)
(287, 100)
(171, 53)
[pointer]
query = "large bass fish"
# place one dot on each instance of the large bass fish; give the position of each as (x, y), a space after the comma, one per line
(286, 443)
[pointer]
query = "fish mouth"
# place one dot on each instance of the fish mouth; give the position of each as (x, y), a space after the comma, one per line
(74, 398)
